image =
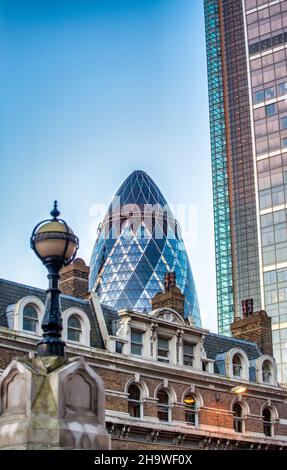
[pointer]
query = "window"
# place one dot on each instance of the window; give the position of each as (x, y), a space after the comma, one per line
(136, 343)
(267, 422)
(259, 96)
(188, 355)
(284, 142)
(74, 332)
(134, 401)
(237, 366)
(270, 109)
(119, 347)
(283, 122)
(238, 417)
(191, 410)
(282, 88)
(204, 366)
(30, 319)
(163, 349)
(269, 93)
(163, 405)
(266, 372)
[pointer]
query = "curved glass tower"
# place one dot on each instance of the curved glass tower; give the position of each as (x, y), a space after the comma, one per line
(139, 241)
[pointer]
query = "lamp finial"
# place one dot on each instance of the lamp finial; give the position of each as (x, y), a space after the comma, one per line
(55, 213)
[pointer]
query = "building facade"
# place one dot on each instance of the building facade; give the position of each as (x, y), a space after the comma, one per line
(169, 384)
(247, 81)
(139, 241)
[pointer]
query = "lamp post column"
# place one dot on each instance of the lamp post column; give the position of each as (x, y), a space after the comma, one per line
(56, 246)
(52, 343)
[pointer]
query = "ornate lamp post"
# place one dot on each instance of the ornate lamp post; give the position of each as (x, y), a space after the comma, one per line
(56, 245)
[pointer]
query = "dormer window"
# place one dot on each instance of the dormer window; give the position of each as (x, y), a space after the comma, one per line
(30, 319)
(136, 342)
(237, 366)
(188, 354)
(163, 349)
(74, 332)
(76, 326)
(266, 373)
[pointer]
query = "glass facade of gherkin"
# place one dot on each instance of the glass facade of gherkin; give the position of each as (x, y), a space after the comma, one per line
(138, 242)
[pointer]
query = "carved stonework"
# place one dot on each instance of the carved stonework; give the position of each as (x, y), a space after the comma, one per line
(169, 315)
(51, 403)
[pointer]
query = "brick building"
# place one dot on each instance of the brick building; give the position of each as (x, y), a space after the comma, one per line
(169, 384)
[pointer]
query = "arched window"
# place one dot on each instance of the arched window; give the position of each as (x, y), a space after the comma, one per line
(30, 318)
(191, 415)
(134, 401)
(237, 365)
(163, 405)
(266, 372)
(267, 422)
(238, 417)
(74, 332)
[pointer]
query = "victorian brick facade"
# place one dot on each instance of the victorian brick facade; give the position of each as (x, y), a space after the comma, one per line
(185, 377)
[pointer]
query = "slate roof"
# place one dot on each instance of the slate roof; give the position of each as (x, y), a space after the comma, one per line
(111, 318)
(216, 344)
(11, 292)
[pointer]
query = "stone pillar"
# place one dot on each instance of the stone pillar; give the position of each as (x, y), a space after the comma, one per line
(52, 403)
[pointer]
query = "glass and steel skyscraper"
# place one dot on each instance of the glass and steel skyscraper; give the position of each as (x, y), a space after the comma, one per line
(138, 242)
(247, 80)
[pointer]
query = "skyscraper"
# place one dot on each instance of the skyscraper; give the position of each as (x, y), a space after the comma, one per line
(247, 80)
(138, 242)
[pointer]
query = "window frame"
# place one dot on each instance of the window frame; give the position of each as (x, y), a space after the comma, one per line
(163, 358)
(74, 329)
(238, 421)
(268, 424)
(163, 407)
(134, 403)
(236, 366)
(184, 354)
(32, 319)
(191, 410)
(136, 343)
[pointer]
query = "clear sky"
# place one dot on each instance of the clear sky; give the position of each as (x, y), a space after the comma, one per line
(90, 91)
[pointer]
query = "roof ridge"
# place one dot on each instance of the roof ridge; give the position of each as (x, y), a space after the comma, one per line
(6, 281)
(231, 338)
(38, 289)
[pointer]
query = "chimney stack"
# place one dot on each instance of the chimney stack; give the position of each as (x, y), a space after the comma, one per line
(75, 279)
(255, 327)
(171, 297)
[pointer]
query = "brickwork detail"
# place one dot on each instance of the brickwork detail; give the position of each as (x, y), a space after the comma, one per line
(75, 279)
(255, 328)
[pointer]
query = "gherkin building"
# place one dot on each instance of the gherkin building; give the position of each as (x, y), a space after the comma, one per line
(139, 241)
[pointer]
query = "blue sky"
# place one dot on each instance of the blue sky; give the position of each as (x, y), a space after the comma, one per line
(90, 91)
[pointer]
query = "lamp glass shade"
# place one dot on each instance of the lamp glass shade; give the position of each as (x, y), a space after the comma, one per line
(51, 241)
(238, 389)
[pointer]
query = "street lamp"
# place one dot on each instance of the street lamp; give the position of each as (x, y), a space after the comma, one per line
(238, 390)
(56, 245)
